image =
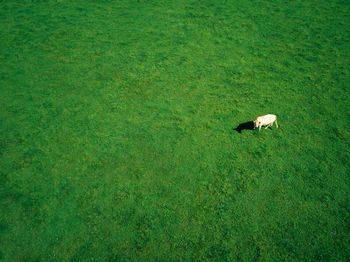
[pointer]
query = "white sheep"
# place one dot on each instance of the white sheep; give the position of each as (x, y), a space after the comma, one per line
(266, 120)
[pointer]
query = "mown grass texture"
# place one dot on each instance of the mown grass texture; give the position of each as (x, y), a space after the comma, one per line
(117, 140)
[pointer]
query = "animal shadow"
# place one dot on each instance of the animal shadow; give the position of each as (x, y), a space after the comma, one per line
(245, 126)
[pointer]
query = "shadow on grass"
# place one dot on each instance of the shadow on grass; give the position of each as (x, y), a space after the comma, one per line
(244, 126)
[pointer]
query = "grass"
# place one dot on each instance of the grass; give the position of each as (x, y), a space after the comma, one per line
(117, 140)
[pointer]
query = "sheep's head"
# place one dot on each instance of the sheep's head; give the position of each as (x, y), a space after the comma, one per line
(256, 123)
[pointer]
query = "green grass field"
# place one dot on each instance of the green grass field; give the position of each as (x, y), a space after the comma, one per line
(117, 140)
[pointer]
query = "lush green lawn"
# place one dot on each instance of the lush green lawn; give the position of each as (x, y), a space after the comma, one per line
(117, 140)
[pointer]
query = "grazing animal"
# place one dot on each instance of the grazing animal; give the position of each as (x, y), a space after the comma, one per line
(266, 120)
